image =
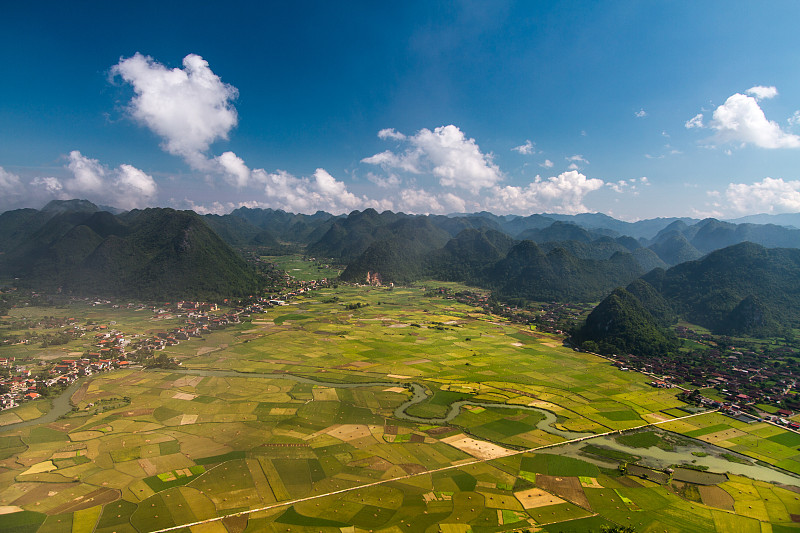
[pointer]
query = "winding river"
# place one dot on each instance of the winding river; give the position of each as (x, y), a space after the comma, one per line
(655, 457)
(61, 405)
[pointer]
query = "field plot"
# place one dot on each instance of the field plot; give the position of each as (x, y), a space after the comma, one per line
(762, 441)
(303, 269)
(296, 420)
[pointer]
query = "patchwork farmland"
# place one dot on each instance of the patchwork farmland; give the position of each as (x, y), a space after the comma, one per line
(303, 419)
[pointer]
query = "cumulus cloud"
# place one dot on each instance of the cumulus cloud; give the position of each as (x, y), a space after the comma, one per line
(694, 122)
(561, 194)
(126, 186)
(419, 201)
(770, 195)
(132, 187)
(453, 203)
(233, 169)
(217, 207)
(10, 184)
(385, 183)
(321, 191)
(52, 186)
(88, 175)
(640, 114)
(762, 93)
(525, 149)
(188, 108)
(547, 164)
(794, 120)
(741, 121)
(446, 153)
(12, 190)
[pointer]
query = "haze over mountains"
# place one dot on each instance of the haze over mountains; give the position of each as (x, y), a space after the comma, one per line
(729, 277)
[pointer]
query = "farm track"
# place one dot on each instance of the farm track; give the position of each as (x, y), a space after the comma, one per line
(287, 503)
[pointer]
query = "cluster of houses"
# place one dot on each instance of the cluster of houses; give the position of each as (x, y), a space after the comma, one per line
(110, 349)
(22, 385)
(739, 375)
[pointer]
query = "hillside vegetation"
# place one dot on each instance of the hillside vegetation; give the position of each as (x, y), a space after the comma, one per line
(147, 253)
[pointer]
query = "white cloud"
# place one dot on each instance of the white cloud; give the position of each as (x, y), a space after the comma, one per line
(88, 175)
(547, 164)
(794, 120)
(453, 203)
(741, 120)
(525, 149)
(762, 93)
(385, 183)
(188, 108)
(640, 114)
(560, 194)
(419, 201)
(694, 122)
(446, 153)
(391, 133)
(52, 186)
(631, 185)
(618, 187)
(133, 188)
(408, 162)
(321, 191)
(126, 186)
(217, 207)
(770, 195)
(233, 169)
(328, 187)
(10, 184)
(578, 159)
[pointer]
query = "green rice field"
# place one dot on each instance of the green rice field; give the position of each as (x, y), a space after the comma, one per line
(262, 430)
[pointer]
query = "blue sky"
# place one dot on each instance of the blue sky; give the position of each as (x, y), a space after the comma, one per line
(635, 109)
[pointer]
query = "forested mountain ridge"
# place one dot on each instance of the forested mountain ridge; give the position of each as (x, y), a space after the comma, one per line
(707, 291)
(156, 252)
(78, 246)
(621, 324)
(745, 289)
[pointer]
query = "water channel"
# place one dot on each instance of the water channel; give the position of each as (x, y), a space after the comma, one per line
(60, 406)
(653, 456)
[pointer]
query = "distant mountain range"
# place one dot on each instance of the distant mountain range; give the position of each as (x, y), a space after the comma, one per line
(730, 277)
